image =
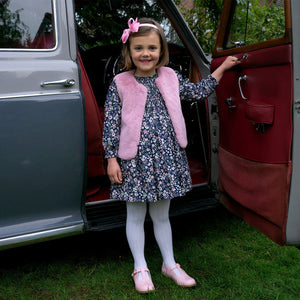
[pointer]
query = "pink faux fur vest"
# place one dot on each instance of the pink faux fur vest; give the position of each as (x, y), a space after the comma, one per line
(133, 96)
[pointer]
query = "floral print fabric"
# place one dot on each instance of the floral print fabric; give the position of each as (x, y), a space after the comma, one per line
(160, 169)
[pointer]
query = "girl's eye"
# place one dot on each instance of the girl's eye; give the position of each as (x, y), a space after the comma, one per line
(138, 48)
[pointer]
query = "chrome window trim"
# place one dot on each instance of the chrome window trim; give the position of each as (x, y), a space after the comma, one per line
(36, 95)
(41, 236)
(39, 50)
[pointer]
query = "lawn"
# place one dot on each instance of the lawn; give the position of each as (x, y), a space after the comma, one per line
(228, 259)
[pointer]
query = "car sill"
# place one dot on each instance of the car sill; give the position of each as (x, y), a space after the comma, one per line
(41, 236)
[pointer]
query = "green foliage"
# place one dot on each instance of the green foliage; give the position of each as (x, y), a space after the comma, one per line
(253, 23)
(12, 30)
(102, 22)
(203, 19)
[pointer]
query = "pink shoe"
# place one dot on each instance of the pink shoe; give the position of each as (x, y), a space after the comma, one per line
(145, 284)
(183, 279)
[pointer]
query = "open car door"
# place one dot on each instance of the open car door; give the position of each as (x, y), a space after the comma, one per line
(255, 100)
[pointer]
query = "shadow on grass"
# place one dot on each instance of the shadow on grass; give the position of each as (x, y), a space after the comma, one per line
(108, 244)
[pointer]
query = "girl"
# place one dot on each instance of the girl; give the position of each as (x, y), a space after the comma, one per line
(144, 139)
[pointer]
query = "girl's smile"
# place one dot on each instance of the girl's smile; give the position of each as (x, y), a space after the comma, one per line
(145, 53)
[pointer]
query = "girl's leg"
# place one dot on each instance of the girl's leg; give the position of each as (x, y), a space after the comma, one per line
(159, 213)
(136, 213)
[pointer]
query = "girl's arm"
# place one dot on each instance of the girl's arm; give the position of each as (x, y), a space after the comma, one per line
(111, 133)
(190, 91)
(228, 63)
(201, 90)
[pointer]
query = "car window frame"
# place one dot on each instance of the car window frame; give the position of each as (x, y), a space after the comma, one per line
(224, 28)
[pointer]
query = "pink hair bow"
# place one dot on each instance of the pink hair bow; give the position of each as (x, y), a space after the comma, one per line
(133, 27)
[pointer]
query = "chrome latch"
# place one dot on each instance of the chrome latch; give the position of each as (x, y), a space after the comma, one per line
(228, 101)
(260, 127)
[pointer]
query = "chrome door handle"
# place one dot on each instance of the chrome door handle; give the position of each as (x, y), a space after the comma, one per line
(64, 82)
(244, 78)
(244, 57)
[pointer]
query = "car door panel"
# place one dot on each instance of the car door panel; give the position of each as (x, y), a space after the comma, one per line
(268, 83)
(256, 137)
(39, 152)
(258, 192)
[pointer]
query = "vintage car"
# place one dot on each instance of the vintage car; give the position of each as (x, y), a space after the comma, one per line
(243, 139)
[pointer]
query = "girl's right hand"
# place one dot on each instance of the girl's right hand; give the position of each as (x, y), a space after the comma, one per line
(113, 170)
(227, 64)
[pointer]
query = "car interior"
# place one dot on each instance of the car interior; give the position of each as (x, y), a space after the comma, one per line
(99, 64)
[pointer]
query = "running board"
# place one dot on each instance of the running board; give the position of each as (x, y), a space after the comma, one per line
(112, 214)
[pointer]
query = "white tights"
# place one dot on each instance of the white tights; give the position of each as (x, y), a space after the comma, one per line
(159, 213)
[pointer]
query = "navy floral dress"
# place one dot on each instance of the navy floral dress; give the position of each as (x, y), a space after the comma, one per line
(160, 169)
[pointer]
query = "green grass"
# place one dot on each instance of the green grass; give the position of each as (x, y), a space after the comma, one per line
(228, 259)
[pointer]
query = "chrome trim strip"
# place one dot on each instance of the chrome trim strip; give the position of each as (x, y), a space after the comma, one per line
(101, 202)
(41, 94)
(199, 184)
(38, 50)
(41, 236)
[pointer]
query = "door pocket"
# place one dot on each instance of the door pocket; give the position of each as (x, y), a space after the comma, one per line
(261, 115)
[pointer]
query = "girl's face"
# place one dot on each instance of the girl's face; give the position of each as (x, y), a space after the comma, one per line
(145, 53)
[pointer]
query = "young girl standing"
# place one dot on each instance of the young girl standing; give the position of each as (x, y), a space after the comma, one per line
(144, 139)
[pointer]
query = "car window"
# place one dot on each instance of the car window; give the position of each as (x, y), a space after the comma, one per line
(256, 21)
(27, 24)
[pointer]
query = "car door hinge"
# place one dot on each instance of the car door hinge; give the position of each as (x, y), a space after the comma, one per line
(297, 106)
(214, 188)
